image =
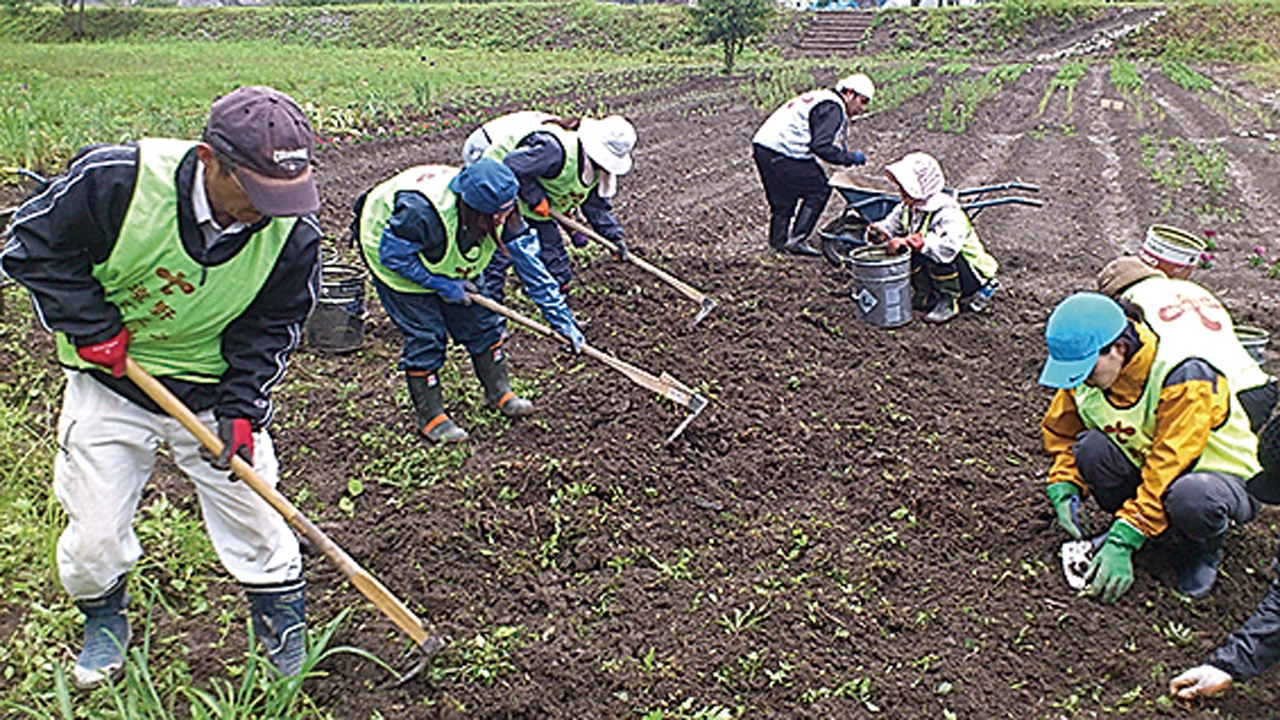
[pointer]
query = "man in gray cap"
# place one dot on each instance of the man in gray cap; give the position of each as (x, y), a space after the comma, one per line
(199, 260)
(786, 148)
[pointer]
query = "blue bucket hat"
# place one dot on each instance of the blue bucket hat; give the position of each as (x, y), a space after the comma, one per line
(486, 185)
(1078, 329)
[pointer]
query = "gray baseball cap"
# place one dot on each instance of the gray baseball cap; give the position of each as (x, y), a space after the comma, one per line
(270, 140)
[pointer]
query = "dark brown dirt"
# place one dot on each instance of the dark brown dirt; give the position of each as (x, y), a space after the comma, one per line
(856, 526)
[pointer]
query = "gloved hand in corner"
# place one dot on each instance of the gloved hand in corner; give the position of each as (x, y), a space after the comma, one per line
(1111, 572)
(578, 239)
(1200, 681)
(450, 290)
(110, 354)
(1065, 497)
(859, 157)
(915, 241)
(237, 436)
(571, 333)
(543, 208)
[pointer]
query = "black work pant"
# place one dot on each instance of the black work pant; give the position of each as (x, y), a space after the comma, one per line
(788, 181)
(1200, 505)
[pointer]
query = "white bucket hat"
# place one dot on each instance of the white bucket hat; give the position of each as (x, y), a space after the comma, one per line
(608, 142)
(860, 84)
(921, 178)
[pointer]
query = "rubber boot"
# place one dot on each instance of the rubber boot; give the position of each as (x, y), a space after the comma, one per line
(947, 305)
(106, 637)
(921, 290)
(778, 224)
(428, 405)
(491, 368)
(1197, 565)
(806, 221)
(279, 615)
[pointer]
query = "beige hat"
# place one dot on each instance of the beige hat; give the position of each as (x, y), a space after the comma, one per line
(608, 142)
(920, 177)
(1116, 276)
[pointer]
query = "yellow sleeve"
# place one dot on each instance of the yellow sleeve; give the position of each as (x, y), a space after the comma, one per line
(1060, 425)
(1186, 413)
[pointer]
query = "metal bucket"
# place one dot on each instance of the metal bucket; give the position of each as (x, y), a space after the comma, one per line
(1175, 252)
(1254, 340)
(882, 286)
(337, 325)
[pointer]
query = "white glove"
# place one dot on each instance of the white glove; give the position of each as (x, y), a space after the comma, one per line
(1199, 681)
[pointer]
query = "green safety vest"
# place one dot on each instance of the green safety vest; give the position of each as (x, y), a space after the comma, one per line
(175, 308)
(1232, 448)
(432, 182)
(565, 192)
(971, 247)
(1182, 307)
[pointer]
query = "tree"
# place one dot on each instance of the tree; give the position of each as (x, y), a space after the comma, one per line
(731, 23)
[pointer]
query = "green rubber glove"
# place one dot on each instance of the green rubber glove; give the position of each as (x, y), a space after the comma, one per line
(1111, 572)
(1065, 497)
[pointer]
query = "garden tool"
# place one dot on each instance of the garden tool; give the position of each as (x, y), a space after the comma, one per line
(425, 643)
(705, 303)
(664, 385)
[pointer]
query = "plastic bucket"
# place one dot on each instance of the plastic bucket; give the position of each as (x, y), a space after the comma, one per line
(1173, 251)
(1254, 340)
(337, 325)
(882, 286)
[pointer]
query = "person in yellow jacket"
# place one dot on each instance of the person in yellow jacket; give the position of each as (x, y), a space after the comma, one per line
(1147, 426)
(949, 264)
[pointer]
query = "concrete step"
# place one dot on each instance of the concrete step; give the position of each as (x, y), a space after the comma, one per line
(835, 31)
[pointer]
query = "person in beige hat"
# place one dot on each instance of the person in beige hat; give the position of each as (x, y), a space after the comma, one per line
(786, 149)
(562, 164)
(200, 261)
(949, 264)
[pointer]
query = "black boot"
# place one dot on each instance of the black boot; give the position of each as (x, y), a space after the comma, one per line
(428, 405)
(806, 221)
(921, 289)
(491, 368)
(279, 614)
(1197, 565)
(947, 305)
(778, 224)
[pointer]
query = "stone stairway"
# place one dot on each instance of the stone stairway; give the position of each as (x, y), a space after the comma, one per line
(835, 32)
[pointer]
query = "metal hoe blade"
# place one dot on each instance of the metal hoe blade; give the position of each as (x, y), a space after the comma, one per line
(708, 305)
(696, 403)
(427, 650)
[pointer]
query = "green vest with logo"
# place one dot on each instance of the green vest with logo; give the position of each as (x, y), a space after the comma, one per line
(432, 182)
(174, 308)
(971, 247)
(1232, 448)
(565, 192)
(1183, 308)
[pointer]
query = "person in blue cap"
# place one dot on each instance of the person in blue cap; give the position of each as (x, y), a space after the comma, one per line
(1147, 426)
(425, 234)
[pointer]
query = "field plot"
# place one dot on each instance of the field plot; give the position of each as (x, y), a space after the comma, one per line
(856, 527)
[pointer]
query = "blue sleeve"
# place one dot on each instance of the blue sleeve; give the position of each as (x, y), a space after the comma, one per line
(539, 155)
(538, 283)
(414, 230)
(1256, 645)
(599, 213)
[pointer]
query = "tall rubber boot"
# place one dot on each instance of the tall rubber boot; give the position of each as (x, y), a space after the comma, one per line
(491, 368)
(106, 637)
(806, 220)
(778, 224)
(279, 614)
(1197, 565)
(428, 405)
(947, 306)
(921, 289)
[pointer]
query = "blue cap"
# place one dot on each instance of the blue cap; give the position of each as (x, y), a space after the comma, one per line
(486, 185)
(1078, 329)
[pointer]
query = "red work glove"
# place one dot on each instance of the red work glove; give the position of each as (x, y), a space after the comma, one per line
(237, 436)
(915, 241)
(110, 354)
(543, 208)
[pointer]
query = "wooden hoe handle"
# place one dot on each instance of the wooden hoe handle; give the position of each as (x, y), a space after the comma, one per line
(368, 585)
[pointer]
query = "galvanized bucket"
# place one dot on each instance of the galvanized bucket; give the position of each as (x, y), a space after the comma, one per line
(882, 286)
(1254, 340)
(337, 325)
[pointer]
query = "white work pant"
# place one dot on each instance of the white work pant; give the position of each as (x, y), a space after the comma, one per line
(106, 452)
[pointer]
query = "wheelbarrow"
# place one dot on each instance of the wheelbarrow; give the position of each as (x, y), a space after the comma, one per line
(868, 200)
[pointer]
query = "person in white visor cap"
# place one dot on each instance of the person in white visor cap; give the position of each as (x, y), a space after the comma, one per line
(786, 148)
(949, 265)
(562, 164)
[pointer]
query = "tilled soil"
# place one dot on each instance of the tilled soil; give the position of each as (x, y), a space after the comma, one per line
(856, 526)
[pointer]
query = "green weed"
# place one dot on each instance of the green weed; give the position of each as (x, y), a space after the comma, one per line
(1124, 76)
